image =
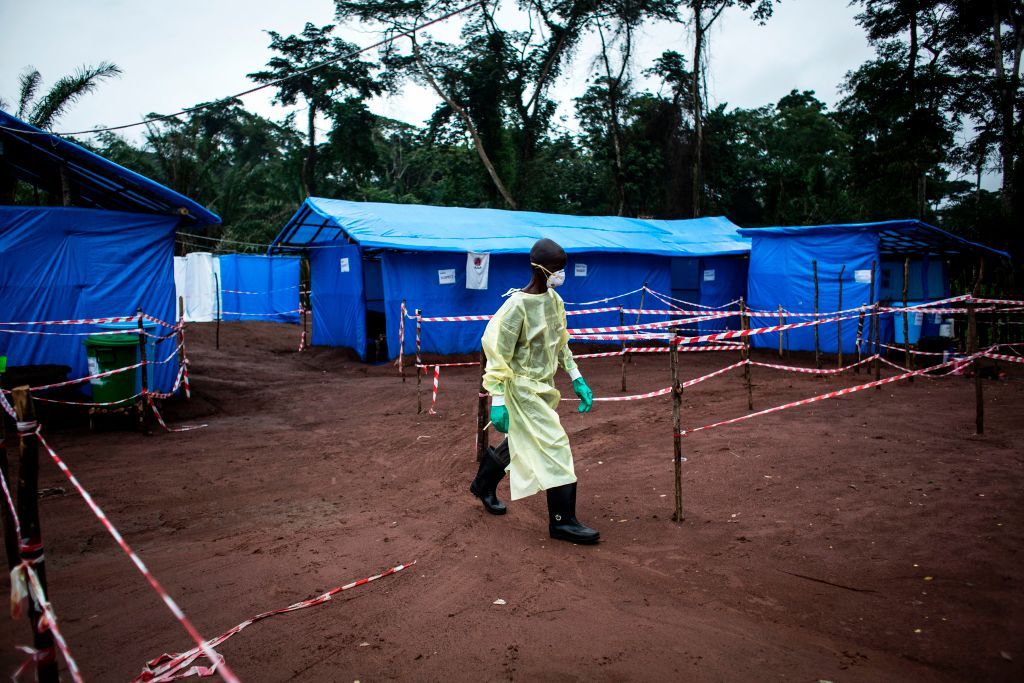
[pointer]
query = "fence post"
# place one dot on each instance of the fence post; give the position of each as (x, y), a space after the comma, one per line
(144, 377)
(677, 438)
(482, 434)
(622, 323)
(906, 320)
(873, 334)
(10, 535)
(745, 324)
(401, 340)
(781, 332)
(817, 349)
(182, 359)
(419, 364)
(860, 338)
(972, 348)
(216, 285)
(839, 323)
(31, 541)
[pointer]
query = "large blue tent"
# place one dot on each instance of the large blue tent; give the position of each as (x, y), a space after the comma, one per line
(367, 258)
(255, 287)
(782, 262)
(107, 252)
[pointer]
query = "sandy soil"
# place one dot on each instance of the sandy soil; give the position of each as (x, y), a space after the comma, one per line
(870, 538)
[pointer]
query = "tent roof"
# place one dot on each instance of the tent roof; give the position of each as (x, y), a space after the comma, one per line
(895, 237)
(37, 158)
(409, 227)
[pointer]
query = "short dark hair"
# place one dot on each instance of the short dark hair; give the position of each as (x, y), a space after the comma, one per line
(547, 253)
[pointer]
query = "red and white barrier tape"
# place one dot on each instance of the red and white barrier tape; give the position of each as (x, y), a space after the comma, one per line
(666, 298)
(437, 380)
(831, 394)
(7, 406)
(1002, 302)
(101, 375)
(447, 365)
(814, 371)
(206, 648)
(83, 321)
(590, 311)
(401, 340)
(47, 621)
(160, 419)
(576, 331)
(649, 336)
(733, 334)
(268, 313)
(605, 300)
(453, 318)
(269, 291)
(913, 351)
(1003, 356)
(169, 667)
(705, 315)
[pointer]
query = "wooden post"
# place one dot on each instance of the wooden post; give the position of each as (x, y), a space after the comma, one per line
(643, 295)
(874, 336)
(144, 378)
(10, 535)
(839, 323)
(781, 332)
(906, 320)
(860, 338)
(622, 322)
(401, 340)
(817, 348)
(31, 542)
(745, 324)
(216, 283)
(972, 348)
(677, 439)
(181, 345)
(482, 433)
(419, 364)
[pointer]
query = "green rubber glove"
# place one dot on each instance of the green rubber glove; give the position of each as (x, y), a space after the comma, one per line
(579, 385)
(499, 418)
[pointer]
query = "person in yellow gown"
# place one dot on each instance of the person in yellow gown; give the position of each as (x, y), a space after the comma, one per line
(525, 343)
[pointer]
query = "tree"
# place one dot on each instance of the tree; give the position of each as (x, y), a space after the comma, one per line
(317, 68)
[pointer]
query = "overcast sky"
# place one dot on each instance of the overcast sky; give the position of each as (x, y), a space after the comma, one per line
(188, 51)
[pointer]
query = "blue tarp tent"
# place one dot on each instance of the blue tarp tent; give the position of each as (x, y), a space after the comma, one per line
(107, 254)
(255, 287)
(781, 272)
(366, 258)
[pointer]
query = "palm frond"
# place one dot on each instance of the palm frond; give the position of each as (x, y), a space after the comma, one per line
(28, 85)
(68, 90)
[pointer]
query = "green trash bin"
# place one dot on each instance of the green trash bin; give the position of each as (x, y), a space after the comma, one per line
(110, 352)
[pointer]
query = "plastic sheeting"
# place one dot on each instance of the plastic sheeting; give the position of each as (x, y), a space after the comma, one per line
(418, 279)
(494, 231)
(339, 305)
(255, 287)
(195, 279)
(781, 272)
(61, 263)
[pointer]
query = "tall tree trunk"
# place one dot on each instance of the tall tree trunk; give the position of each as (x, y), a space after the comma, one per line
(698, 109)
(309, 163)
(1005, 109)
(915, 116)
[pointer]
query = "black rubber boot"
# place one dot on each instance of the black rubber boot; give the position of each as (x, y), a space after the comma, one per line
(488, 477)
(562, 522)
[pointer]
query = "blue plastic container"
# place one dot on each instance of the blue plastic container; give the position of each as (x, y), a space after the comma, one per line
(151, 328)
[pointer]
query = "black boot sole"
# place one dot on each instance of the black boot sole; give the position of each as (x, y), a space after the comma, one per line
(573, 538)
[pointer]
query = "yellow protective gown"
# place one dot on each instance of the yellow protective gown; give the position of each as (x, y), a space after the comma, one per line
(525, 342)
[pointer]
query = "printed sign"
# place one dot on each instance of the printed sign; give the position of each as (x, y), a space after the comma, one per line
(709, 275)
(581, 270)
(919, 318)
(344, 265)
(477, 270)
(446, 276)
(862, 276)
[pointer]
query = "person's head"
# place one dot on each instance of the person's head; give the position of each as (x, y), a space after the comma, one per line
(546, 259)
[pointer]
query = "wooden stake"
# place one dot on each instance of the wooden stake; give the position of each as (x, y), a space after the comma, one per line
(745, 324)
(643, 294)
(419, 364)
(622, 322)
(906, 320)
(972, 347)
(181, 343)
(781, 333)
(817, 348)
(876, 349)
(31, 548)
(401, 340)
(482, 433)
(860, 338)
(216, 284)
(677, 439)
(144, 379)
(839, 323)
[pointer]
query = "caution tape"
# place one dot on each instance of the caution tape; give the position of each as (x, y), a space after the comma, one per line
(912, 351)
(814, 371)
(268, 313)
(169, 667)
(437, 380)
(82, 321)
(639, 326)
(831, 394)
(204, 646)
(605, 300)
(1003, 356)
(160, 419)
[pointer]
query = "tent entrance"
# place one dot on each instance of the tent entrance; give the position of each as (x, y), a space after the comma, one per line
(376, 320)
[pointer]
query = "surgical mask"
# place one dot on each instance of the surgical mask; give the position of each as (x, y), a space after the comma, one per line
(556, 279)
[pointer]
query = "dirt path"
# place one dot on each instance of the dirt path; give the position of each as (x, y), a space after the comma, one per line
(869, 538)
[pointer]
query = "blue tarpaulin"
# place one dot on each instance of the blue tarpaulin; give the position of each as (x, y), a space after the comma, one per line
(255, 287)
(69, 264)
(419, 254)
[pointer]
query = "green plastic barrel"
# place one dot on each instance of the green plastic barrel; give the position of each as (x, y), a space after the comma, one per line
(110, 352)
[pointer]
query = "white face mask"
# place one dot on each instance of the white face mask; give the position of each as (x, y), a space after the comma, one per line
(556, 279)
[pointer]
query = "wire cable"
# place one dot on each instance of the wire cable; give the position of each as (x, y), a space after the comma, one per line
(404, 33)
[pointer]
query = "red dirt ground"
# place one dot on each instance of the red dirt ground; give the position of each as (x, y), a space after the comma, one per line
(869, 538)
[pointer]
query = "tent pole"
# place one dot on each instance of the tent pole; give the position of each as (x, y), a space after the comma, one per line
(906, 320)
(622, 322)
(482, 435)
(31, 548)
(182, 360)
(677, 438)
(419, 364)
(745, 324)
(839, 323)
(817, 348)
